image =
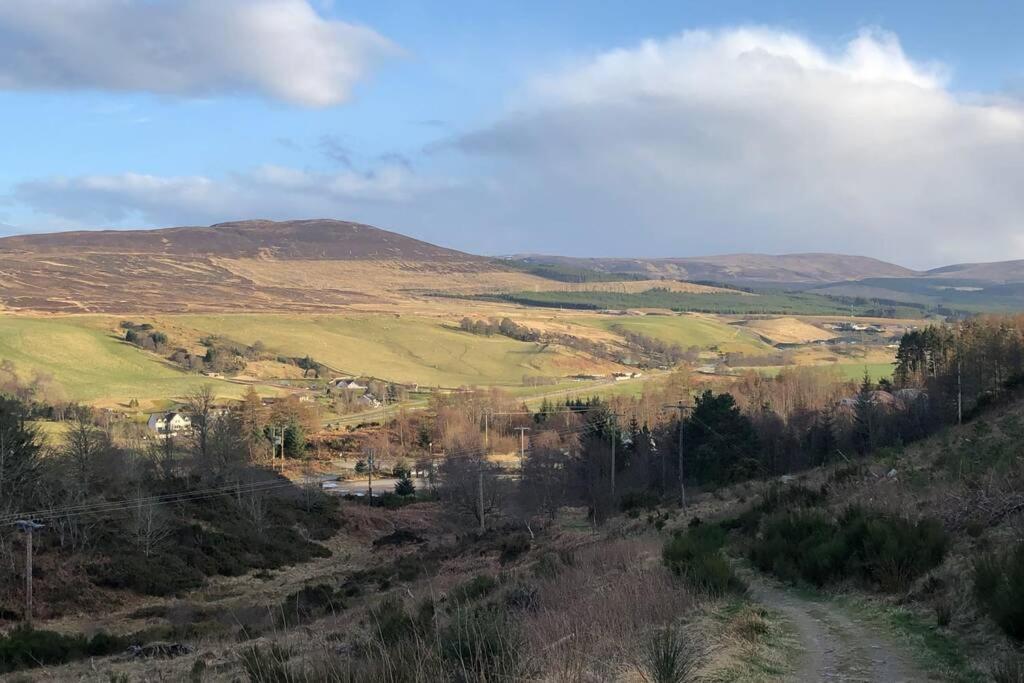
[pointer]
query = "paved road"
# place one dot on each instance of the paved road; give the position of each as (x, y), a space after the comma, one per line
(837, 647)
(358, 486)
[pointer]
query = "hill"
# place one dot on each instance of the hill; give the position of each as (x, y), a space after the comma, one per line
(248, 265)
(741, 269)
(319, 239)
(1000, 271)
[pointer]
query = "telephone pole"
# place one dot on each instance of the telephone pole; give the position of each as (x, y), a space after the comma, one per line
(682, 408)
(613, 435)
(369, 478)
(522, 446)
(28, 526)
(480, 470)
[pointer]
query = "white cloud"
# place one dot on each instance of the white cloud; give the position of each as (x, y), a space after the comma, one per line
(707, 142)
(757, 139)
(268, 191)
(280, 49)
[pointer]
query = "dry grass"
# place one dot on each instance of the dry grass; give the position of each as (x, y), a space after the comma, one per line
(593, 615)
(382, 279)
(749, 643)
(788, 330)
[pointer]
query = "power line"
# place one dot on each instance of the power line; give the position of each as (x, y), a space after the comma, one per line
(108, 507)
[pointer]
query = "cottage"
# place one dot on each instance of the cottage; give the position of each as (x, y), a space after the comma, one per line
(163, 424)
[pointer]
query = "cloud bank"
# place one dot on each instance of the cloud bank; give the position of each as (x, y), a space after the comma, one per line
(280, 49)
(268, 191)
(749, 139)
(756, 139)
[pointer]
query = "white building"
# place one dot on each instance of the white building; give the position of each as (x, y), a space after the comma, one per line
(169, 423)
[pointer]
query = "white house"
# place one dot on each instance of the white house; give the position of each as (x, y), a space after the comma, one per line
(344, 385)
(169, 423)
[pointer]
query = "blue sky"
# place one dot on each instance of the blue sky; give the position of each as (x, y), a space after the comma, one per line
(612, 128)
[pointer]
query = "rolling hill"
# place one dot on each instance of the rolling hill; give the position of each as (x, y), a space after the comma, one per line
(740, 269)
(326, 265)
(249, 265)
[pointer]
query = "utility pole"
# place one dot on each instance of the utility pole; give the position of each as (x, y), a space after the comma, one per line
(612, 433)
(480, 470)
(959, 378)
(522, 446)
(369, 478)
(681, 407)
(28, 526)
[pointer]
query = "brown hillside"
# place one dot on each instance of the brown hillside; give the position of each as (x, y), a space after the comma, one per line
(743, 268)
(249, 265)
(306, 239)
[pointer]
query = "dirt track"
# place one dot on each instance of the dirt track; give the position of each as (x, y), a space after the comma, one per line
(837, 647)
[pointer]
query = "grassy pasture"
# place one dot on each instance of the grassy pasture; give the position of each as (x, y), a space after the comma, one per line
(400, 348)
(685, 330)
(89, 363)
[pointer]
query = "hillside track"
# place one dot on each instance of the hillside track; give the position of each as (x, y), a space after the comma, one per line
(835, 645)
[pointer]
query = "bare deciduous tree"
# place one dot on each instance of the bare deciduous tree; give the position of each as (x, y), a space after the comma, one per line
(149, 526)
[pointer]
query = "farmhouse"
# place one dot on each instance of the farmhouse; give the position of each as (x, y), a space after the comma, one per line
(337, 386)
(163, 424)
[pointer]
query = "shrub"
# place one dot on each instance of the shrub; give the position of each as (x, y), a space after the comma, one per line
(944, 612)
(874, 547)
(1008, 669)
(696, 556)
(390, 622)
(474, 589)
(24, 648)
(999, 587)
(308, 603)
(513, 546)
(268, 665)
(638, 500)
(157, 575)
(777, 498)
(483, 644)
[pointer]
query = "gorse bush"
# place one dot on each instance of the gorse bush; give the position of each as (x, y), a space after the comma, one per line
(23, 648)
(874, 547)
(696, 556)
(775, 499)
(474, 589)
(999, 588)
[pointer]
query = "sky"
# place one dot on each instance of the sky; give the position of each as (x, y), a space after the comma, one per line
(653, 129)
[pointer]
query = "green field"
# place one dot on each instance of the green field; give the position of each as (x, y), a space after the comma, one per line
(764, 302)
(89, 363)
(684, 330)
(403, 349)
(848, 371)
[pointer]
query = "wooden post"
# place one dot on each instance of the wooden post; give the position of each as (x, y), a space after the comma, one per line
(369, 478)
(682, 480)
(613, 465)
(522, 447)
(480, 469)
(28, 526)
(28, 577)
(480, 489)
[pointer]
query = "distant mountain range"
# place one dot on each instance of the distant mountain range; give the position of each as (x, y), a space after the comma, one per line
(239, 265)
(963, 286)
(739, 269)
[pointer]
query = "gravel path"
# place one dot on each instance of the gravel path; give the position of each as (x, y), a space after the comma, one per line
(835, 646)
